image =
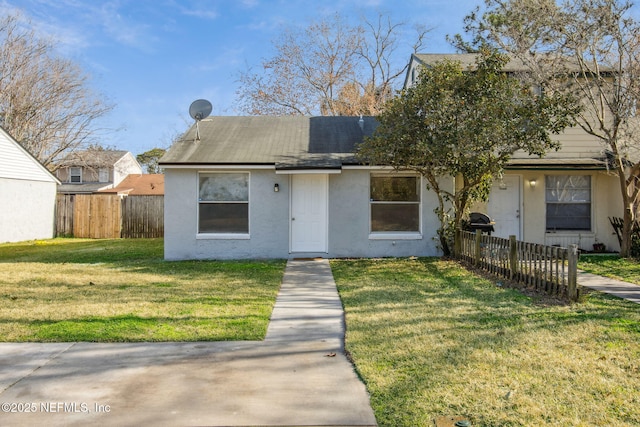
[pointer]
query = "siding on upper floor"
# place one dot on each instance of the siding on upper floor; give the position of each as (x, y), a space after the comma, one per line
(575, 143)
(126, 165)
(17, 163)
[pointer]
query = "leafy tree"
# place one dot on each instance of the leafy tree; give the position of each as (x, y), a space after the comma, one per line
(45, 102)
(328, 68)
(149, 159)
(594, 47)
(464, 124)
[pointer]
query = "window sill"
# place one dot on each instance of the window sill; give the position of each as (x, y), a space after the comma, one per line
(570, 232)
(221, 236)
(395, 236)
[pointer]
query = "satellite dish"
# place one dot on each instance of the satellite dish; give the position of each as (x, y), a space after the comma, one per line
(198, 110)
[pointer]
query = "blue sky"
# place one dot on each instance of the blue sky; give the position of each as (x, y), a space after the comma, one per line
(152, 58)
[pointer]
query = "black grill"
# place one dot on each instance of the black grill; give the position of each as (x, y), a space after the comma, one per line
(479, 221)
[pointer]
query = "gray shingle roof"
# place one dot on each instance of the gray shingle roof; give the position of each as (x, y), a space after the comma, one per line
(84, 188)
(287, 142)
(93, 158)
(468, 61)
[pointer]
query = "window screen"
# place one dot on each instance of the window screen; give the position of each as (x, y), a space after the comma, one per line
(395, 203)
(568, 199)
(223, 200)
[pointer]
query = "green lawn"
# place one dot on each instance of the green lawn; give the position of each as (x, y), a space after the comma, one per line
(430, 339)
(123, 290)
(613, 266)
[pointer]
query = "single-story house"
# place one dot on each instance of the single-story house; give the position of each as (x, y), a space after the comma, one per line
(281, 187)
(151, 184)
(564, 198)
(27, 194)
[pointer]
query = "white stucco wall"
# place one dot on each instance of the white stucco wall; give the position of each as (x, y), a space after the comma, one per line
(606, 201)
(28, 210)
(269, 216)
(268, 219)
(349, 221)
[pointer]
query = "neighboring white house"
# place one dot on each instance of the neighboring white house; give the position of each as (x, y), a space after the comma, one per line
(90, 171)
(27, 194)
(564, 198)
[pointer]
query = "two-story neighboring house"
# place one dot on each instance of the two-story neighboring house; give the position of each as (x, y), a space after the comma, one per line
(89, 171)
(563, 198)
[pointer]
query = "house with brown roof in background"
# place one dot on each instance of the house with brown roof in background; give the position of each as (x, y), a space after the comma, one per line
(138, 185)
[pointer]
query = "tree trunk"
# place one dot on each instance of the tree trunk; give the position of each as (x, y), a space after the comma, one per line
(627, 216)
(458, 228)
(446, 251)
(627, 225)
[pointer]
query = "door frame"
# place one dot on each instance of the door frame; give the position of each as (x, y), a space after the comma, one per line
(325, 195)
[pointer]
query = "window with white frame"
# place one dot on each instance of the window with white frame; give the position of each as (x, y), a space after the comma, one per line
(568, 199)
(75, 174)
(223, 203)
(103, 175)
(395, 203)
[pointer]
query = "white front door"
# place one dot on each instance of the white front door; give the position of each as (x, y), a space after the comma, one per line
(309, 212)
(504, 206)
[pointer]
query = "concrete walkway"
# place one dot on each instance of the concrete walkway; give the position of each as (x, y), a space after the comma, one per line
(298, 376)
(618, 288)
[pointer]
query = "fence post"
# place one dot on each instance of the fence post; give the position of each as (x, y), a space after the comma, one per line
(457, 243)
(477, 248)
(572, 282)
(513, 257)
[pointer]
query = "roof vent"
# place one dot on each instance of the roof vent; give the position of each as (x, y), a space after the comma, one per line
(361, 123)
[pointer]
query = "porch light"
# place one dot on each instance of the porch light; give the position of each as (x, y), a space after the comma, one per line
(276, 188)
(501, 184)
(532, 183)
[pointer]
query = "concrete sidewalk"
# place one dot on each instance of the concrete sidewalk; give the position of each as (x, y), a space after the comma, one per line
(298, 376)
(618, 288)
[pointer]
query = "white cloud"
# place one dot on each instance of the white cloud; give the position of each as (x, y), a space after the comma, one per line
(200, 13)
(126, 31)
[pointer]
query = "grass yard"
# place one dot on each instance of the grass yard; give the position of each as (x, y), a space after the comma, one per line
(123, 290)
(613, 266)
(430, 339)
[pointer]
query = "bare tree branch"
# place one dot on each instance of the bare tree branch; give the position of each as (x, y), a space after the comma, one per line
(330, 68)
(45, 101)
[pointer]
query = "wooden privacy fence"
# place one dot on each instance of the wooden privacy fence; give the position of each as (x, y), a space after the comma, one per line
(142, 216)
(549, 269)
(107, 216)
